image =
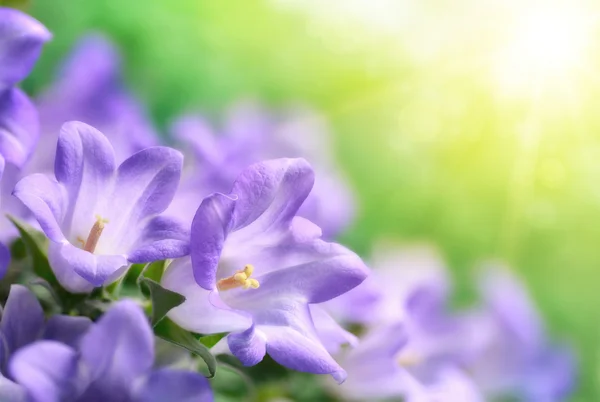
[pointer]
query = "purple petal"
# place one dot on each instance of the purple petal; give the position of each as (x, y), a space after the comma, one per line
(297, 352)
(330, 333)
(162, 238)
(77, 269)
(85, 164)
(118, 349)
(46, 200)
(4, 259)
(248, 346)
(20, 46)
(197, 313)
(22, 319)
(210, 227)
(509, 300)
(66, 329)
(337, 272)
(46, 369)
(145, 185)
(270, 193)
(175, 385)
(11, 392)
(18, 126)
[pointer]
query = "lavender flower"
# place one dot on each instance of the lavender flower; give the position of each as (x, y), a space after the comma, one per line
(22, 38)
(21, 41)
(415, 346)
(89, 88)
(258, 268)
(111, 362)
(514, 355)
(378, 369)
(250, 136)
(99, 217)
(23, 323)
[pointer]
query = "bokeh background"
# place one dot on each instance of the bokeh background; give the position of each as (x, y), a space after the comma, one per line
(472, 125)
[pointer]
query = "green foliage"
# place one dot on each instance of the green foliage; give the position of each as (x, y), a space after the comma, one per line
(162, 299)
(171, 332)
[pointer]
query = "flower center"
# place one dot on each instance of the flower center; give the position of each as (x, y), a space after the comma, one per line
(409, 359)
(92, 240)
(241, 278)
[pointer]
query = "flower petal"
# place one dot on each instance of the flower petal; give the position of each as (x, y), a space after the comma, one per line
(77, 269)
(117, 349)
(197, 313)
(145, 185)
(46, 200)
(20, 46)
(248, 346)
(66, 329)
(330, 333)
(270, 193)
(23, 318)
(19, 128)
(293, 350)
(46, 369)
(161, 239)
(337, 272)
(84, 164)
(210, 228)
(9, 391)
(175, 385)
(4, 259)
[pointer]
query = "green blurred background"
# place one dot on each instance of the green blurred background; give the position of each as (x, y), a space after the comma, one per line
(471, 125)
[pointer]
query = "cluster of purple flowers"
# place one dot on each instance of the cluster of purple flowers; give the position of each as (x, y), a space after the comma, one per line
(245, 225)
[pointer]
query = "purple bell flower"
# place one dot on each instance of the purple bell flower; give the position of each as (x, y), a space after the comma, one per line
(101, 217)
(21, 41)
(22, 324)
(112, 361)
(515, 356)
(256, 268)
(249, 136)
(90, 88)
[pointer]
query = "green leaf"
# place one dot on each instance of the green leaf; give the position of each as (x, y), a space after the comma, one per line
(171, 332)
(211, 340)
(163, 300)
(34, 242)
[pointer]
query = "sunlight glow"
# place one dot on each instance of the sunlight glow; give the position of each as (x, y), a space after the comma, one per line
(546, 46)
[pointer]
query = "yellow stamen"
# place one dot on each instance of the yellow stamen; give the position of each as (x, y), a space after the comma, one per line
(94, 236)
(409, 359)
(241, 279)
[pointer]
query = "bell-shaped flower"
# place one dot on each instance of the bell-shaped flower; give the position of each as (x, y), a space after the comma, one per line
(89, 87)
(255, 268)
(113, 361)
(377, 371)
(21, 41)
(23, 323)
(516, 358)
(251, 135)
(100, 217)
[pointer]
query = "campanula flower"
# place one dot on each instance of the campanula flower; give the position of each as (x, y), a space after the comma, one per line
(100, 217)
(255, 268)
(515, 357)
(113, 361)
(377, 370)
(89, 88)
(249, 136)
(397, 272)
(21, 41)
(23, 323)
